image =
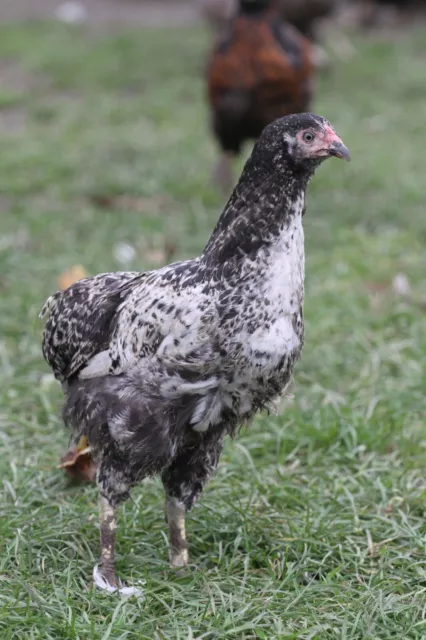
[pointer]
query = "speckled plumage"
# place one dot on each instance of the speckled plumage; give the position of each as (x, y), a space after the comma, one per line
(158, 367)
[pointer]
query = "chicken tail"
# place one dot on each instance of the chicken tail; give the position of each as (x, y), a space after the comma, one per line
(145, 413)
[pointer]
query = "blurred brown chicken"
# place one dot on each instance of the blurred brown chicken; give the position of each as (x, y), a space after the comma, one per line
(260, 70)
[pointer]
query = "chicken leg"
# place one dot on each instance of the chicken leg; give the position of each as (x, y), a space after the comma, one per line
(104, 575)
(104, 572)
(184, 480)
(176, 511)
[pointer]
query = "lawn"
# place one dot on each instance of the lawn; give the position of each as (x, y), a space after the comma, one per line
(314, 525)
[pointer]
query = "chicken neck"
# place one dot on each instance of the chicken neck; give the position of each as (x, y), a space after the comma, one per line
(264, 201)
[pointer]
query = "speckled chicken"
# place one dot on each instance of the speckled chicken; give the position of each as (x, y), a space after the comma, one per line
(259, 71)
(158, 367)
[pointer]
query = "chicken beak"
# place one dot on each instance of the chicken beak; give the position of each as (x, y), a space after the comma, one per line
(338, 150)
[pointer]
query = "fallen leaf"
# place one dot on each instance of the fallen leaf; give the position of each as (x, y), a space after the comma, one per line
(78, 463)
(377, 287)
(156, 256)
(161, 255)
(130, 203)
(76, 272)
(170, 249)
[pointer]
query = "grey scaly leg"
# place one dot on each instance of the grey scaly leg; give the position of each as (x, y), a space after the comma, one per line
(176, 520)
(108, 525)
(104, 575)
(183, 482)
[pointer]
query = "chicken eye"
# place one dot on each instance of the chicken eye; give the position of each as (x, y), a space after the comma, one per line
(308, 136)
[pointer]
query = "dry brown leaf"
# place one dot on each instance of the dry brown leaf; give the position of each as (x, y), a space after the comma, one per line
(156, 256)
(78, 463)
(161, 255)
(130, 203)
(170, 249)
(377, 287)
(76, 272)
(390, 508)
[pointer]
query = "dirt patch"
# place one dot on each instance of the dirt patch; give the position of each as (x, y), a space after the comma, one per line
(15, 79)
(5, 204)
(107, 12)
(13, 121)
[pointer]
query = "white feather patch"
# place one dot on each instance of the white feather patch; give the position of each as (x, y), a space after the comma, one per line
(207, 412)
(98, 366)
(104, 585)
(48, 306)
(176, 387)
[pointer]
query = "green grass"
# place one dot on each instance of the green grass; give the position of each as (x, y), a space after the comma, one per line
(314, 526)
